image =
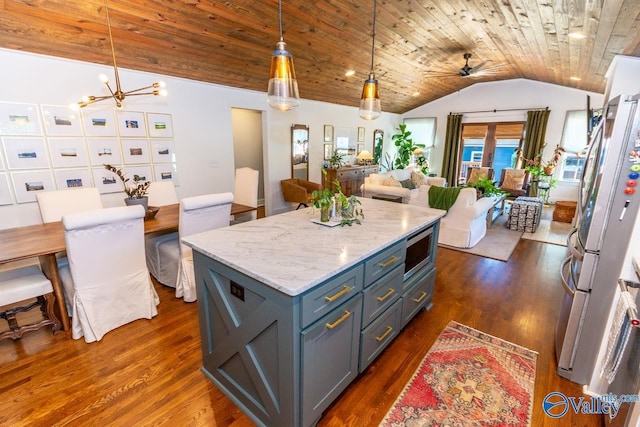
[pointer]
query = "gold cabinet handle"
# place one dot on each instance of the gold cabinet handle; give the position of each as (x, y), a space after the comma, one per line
(338, 295)
(387, 295)
(417, 300)
(383, 336)
(388, 262)
(342, 318)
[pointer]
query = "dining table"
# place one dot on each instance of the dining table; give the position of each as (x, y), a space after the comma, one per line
(44, 241)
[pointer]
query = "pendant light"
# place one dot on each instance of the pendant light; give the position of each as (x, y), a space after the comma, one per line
(370, 100)
(119, 95)
(283, 87)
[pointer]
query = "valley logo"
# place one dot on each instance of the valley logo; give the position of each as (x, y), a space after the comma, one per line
(556, 404)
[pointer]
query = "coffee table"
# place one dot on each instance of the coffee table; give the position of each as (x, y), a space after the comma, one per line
(497, 208)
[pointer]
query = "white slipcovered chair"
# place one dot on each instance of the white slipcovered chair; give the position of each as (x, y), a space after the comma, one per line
(161, 193)
(246, 192)
(106, 281)
(197, 214)
(54, 205)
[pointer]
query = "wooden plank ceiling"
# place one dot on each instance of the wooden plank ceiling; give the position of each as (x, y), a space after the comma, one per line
(419, 45)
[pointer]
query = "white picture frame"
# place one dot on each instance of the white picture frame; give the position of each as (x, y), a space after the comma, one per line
(162, 151)
(99, 122)
(25, 153)
(166, 172)
(107, 181)
(135, 151)
(2, 163)
(19, 119)
(104, 151)
(143, 172)
(131, 124)
(27, 183)
(68, 152)
(160, 125)
(5, 192)
(61, 121)
(72, 178)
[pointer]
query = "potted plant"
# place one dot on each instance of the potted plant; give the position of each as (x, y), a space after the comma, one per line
(336, 160)
(333, 203)
(555, 158)
(136, 192)
(485, 187)
(405, 145)
(348, 209)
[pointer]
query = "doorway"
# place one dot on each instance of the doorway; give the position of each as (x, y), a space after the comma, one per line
(492, 145)
(248, 144)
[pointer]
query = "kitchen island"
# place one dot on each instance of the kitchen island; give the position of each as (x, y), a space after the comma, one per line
(291, 311)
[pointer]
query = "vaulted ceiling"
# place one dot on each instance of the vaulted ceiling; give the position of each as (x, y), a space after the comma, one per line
(419, 44)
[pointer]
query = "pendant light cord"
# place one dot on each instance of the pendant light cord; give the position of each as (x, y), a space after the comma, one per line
(280, 18)
(373, 35)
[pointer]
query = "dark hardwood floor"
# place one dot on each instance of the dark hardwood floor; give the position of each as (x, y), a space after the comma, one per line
(148, 372)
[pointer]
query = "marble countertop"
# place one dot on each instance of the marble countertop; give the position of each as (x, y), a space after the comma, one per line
(292, 254)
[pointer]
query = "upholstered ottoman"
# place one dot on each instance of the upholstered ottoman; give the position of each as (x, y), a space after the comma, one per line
(525, 214)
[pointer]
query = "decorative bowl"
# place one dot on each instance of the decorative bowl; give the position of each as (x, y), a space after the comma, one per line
(151, 212)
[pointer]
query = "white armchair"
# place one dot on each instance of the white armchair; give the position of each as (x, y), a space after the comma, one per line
(54, 205)
(245, 192)
(106, 280)
(197, 214)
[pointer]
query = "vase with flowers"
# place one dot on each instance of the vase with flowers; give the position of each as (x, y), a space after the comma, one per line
(136, 190)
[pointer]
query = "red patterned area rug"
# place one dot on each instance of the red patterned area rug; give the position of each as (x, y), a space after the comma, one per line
(468, 378)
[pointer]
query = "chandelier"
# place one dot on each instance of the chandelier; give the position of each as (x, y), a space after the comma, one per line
(157, 88)
(370, 101)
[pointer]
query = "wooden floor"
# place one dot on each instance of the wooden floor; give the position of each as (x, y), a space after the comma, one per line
(147, 372)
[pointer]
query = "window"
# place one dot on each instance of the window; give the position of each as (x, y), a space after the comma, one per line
(574, 140)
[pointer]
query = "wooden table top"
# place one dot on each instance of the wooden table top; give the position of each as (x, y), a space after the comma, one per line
(42, 239)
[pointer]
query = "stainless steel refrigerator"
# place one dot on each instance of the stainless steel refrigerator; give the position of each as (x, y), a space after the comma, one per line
(604, 238)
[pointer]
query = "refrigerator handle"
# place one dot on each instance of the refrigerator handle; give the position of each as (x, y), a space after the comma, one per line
(563, 277)
(572, 248)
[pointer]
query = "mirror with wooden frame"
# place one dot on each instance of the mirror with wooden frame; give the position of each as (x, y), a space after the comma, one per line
(300, 152)
(378, 136)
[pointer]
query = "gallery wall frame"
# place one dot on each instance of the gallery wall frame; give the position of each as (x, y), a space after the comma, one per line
(328, 133)
(19, 119)
(72, 178)
(27, 183)
(106, 181)
(143, 172)
(135, 151)
(99, 122)
(360, 134)
(131, 124)
(5, 192)
(61, 121)
(68, 152)
(328, 151)
(165, 172)
(25, 153)
(160, 125)
(162, 151)
(104, 151)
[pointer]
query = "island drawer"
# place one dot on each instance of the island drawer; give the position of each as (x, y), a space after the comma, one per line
(383, 262)
(324, 298)
(417, 294)
(375, 337)
(381, 295)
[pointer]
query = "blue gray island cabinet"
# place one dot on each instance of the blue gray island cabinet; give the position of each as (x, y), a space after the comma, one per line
(291, 311)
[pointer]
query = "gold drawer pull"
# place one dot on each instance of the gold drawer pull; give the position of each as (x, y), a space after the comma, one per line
(389, 262)
(383, 336)
(342, 318)
(417, 300)
(334, 297)
(387, 295)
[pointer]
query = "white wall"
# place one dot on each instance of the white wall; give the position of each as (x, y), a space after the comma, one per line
(518, 94)
(201, 116)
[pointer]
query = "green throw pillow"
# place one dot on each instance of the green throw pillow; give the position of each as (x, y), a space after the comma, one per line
(407, 183)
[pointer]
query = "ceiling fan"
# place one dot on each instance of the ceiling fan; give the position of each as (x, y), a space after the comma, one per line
(467, 70)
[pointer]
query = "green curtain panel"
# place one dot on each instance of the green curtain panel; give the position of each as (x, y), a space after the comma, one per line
(534, 133)
(452, 149)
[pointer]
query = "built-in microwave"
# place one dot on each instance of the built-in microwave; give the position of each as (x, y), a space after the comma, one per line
(420, 251)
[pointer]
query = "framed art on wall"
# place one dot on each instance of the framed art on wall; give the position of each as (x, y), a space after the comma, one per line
(5, 193)
(131, 123)
(99, 122)
(328, 133)
(62, 121)
(68, 152)
(106, 181)
(162, 151)
(360, 134)
(328, 151)
(142, 172)
(25, 153)
(165, 172)
(72, 178)
(135, 151)
(160, 125)
(19, 119)
(27, 184)
(104, 151)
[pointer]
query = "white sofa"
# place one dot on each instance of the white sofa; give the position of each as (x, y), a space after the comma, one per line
(464, 225)
(374, 184)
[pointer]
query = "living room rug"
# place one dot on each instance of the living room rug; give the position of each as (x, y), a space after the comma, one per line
(498, 243)
(550, 231)
(468, 378)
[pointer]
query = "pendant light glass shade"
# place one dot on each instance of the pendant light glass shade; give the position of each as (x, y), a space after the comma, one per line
(370, 100)
(283, 87)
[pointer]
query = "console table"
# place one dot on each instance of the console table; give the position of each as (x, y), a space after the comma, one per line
(288, 322)
(350, 177)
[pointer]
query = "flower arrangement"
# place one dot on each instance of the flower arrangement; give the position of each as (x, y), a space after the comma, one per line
(136, 191)
(345, 208)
